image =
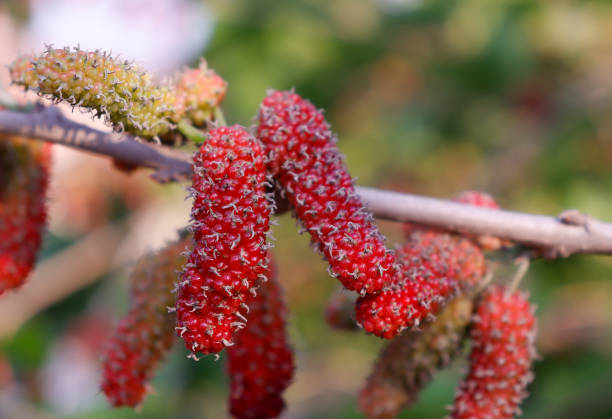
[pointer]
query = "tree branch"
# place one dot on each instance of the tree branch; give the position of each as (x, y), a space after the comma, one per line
(49, 124)
(570, 233)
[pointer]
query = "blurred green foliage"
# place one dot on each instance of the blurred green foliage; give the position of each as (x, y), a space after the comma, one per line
(512, 96)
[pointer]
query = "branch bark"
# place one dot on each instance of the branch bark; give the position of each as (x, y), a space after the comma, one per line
(567, 234)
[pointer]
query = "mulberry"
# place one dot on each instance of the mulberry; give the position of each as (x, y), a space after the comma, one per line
(24, 170)
(303, 156)
(118, 90)
(199, 92)
(231, 215)
(145, 335)
(260, 363)
(503, 350)
(435, 266)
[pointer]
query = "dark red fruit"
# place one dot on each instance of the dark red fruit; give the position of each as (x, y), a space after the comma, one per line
(260, 363)
(503, 350)
(303, 157)
(434, 267)
(145, 335)
(24, 177)
(231, 215)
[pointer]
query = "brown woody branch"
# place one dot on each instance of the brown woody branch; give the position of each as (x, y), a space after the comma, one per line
(569, 233)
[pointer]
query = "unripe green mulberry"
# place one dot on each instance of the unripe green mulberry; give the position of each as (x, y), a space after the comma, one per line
(118, 90)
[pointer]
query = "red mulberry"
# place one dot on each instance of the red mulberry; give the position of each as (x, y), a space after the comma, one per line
(145, 335)
(231, 216)
(260, 363)
(303, 157)
(503, 335)
(24, 170)
(432, 264)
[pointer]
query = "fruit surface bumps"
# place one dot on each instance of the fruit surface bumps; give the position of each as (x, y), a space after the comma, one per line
(145, 334)
(230, 223)
(435, 267)
(24, 178)
(408, 362)
(503, 350)
(116, 89)
(260, 363)
(303, 157)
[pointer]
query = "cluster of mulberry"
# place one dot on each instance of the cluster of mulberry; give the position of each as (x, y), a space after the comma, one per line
(24, 174)
(226, 296)
(146, 333)
(120, 91)
(432, 264)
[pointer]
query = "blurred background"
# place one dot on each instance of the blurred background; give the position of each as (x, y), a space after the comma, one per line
(426, 96)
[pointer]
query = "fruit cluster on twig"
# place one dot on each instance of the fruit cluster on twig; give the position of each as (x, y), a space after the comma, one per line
(420, 295)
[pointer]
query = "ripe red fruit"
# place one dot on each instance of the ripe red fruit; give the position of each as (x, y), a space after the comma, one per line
(145, 335)
(503, 350)
(24, 174)
(231, 215)
(303, 157)
(434, 267)
(260, 363)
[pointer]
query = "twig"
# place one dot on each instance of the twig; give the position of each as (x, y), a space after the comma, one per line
(551, 236)
(59, 276)
(49, 124)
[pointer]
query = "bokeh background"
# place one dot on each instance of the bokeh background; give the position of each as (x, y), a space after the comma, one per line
(427, 96)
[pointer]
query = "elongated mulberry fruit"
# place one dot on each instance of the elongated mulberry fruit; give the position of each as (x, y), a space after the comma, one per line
(408, 362)
(431, 264)
(24, 177)
(146, 334)
(503, 350)
(303, 157)
(230, 222)
(260, 363)
(118, 90)
(199, 91)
